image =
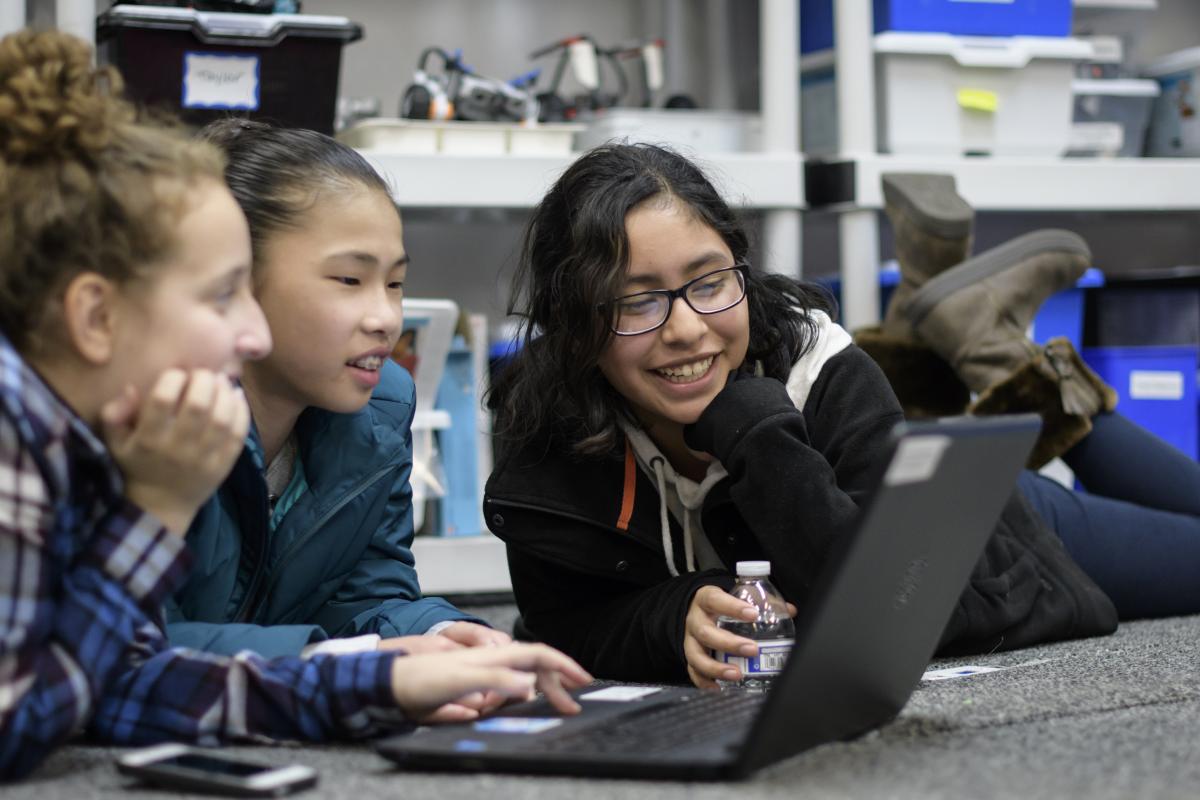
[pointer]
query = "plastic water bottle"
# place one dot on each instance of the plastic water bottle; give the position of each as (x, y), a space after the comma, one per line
(773, 630)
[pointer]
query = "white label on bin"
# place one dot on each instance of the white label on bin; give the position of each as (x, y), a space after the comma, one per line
(916, 460)
(211, 80)
(1148, 384)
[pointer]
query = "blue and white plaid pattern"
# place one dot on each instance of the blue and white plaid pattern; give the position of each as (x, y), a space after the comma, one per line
(83, 573)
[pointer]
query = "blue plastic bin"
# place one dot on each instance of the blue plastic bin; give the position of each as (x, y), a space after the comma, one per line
(1157, 389)
(963, 17)
(1060, 315)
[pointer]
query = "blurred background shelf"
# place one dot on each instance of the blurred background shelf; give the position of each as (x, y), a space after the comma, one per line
(1019, 184)
(751, 180)
(461, 564)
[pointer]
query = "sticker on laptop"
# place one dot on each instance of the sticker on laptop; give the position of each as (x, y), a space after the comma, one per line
(517, 724)
(916, 459)
(620, 694)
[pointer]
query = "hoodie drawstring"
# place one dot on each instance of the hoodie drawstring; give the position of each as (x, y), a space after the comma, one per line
(689, 554)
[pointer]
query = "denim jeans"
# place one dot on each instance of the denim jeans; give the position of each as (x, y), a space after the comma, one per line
(1136, 528)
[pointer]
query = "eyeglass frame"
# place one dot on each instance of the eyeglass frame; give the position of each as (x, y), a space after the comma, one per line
(741, 267)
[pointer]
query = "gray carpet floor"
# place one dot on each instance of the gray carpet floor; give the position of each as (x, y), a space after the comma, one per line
(1113, 717)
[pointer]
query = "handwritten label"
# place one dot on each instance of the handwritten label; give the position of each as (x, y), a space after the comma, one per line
(220, 81)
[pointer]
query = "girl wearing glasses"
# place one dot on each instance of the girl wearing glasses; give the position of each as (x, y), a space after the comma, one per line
(674, 410)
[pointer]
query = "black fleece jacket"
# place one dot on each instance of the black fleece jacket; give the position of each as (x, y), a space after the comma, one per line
(585, 545)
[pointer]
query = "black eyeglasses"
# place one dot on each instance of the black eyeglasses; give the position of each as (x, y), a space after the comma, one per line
(710, 293)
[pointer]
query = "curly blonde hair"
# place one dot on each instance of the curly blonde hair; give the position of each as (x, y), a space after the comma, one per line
(87, 184)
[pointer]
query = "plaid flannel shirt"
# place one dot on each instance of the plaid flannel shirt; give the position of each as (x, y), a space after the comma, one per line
(83, 573)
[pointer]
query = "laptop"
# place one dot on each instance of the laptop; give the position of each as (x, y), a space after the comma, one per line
(863, 638)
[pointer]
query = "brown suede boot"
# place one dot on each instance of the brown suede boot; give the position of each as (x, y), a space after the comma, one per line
(925, 385)
(975, 315)
(931, 225)
(1058, 385)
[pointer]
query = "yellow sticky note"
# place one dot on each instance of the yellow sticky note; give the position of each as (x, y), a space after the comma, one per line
(978, 100)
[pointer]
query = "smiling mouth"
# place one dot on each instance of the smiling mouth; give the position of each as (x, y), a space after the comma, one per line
(686, 373)
(369, 363)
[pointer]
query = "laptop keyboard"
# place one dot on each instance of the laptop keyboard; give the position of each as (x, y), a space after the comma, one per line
(658, 728)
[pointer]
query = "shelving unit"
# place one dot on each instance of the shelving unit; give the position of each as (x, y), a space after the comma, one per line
(1020, 184)
(751, 180)
(771, 181)
(849, 182)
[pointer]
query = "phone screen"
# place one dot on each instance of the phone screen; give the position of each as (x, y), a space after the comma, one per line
(211, 764)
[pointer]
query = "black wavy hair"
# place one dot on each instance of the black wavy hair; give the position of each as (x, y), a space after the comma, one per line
(574, 255)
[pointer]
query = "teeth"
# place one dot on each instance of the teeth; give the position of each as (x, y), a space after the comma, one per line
(370, 362)
(686, 372)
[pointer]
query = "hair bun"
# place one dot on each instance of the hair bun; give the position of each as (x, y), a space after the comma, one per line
(53, 101)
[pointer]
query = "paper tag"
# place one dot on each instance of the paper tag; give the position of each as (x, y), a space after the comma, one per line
(620, 694)
(916, 459)
(211, 80)
(517, 724)
(1147, 384)
(965, 671)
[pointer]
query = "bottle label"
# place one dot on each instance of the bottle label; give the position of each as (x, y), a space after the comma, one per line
(770, 659)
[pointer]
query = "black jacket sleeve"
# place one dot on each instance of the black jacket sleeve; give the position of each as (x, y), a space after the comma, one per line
(616, 630)
(798, 478)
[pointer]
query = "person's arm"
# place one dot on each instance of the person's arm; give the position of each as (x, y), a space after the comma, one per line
(798, 478)
(66, 636)
(382, 594)
(228, 638)
(615, 630)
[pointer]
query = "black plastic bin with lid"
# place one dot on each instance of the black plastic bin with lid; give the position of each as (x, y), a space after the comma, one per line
(279, 68)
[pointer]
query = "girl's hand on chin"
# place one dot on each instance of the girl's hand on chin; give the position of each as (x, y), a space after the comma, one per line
(176, 446)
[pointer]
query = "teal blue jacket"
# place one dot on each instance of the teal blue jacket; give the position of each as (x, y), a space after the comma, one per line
(338, 561)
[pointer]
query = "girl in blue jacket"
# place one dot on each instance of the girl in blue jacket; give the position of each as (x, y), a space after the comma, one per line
(309, 539)
(126, 313)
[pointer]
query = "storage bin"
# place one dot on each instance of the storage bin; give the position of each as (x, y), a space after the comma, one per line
(1174, 123)
(1146, 308)
(1125, 104)
(700, 131)
(1156, 387)
(423, 137)
(964, 17)
(281, 68)
(942, 94)
(939, 94)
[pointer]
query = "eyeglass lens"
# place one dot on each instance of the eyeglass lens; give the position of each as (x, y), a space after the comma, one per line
(707, 294)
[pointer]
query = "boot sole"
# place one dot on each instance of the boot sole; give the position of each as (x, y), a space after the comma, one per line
(932, 201)
(990, 263)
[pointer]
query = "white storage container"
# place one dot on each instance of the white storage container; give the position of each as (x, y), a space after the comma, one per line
(543, 139)
(1119, 104)
(693, 129)
(1175, 124)
(408, 136)
(939, 94)
(425, 137)
(942, 94)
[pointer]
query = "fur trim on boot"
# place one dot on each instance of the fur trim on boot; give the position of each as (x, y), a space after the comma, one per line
(1059, 386)
(925, 384)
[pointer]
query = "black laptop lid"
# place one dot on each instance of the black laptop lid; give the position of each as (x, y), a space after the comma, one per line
(869, 629)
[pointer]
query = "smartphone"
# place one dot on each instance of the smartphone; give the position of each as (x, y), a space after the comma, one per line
(179, 766)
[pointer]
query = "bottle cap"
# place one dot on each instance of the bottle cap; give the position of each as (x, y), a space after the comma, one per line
(753, 569)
